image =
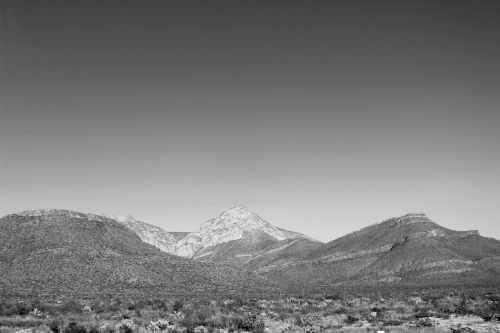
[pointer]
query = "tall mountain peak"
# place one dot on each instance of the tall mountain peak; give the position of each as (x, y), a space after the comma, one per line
(238, 211)
(230, 225)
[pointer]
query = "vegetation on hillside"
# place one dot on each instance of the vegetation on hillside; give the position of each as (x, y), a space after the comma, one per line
(442, 311)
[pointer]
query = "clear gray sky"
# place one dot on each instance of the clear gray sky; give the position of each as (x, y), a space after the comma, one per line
(322, 117)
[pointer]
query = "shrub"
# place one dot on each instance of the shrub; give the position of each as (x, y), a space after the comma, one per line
(422, 313)
(41, 306)
(178, 305)
(298, 320)
(249, 322)
(424, 322)
(159, 304)
(22, 309)
(200, 329)
(488, 317)
(193, 320)
(126, 326)
(55, 325)
(74, 327)
(392, 322)
(335, 297)
(70, 306)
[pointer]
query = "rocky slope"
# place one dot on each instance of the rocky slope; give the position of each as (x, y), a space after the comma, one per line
(408, 250)
(61, 251)
(236, 236)
(150, 234)
(51, 250)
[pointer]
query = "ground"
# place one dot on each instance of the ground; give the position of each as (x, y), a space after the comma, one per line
(437, 311)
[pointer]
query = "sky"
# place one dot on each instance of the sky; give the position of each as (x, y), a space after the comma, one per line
(321, 117)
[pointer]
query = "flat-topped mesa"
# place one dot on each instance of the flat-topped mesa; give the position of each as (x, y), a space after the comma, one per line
(411, 218)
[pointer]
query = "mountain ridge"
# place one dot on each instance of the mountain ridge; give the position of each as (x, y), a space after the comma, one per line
(231, 225)
(410, 249)
(57, 251)
(407, 250)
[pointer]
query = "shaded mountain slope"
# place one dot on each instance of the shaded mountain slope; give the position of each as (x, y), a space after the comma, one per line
(237, 251)
(61, 251)
(235, 236)
(282, 253)
(410, 249)
(151, 234)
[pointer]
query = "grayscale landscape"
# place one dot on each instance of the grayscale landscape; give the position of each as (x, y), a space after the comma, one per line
(245, 166)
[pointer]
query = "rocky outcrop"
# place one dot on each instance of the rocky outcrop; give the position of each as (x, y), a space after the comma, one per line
(151, 234)
(234, 224)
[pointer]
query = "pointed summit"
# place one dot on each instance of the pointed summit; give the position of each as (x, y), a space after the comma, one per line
(230, 225)
(238, 208)
(238, 212)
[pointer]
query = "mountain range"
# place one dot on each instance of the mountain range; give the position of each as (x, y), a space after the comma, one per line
(62, 251)
(47, 249)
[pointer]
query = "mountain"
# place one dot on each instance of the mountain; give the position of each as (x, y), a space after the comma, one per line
(57, 251)
(407, 250)
(150, 234)
(236, 236)
(62, 251)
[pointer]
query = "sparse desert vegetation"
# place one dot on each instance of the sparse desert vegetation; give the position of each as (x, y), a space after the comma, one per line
(442, 311)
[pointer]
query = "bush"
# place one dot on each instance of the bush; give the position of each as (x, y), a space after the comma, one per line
(352, 319)
(10, 308)
(392, 322)
(22, 309)
(422, 313)
(298, 320)
(74, 327)
(126, 329)
(424, 322)
(41, 306)
(335, 297)
(178, 305)
(194, 319)
(55, 325)
(70, 306)
(158, 304)
(249, 322)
